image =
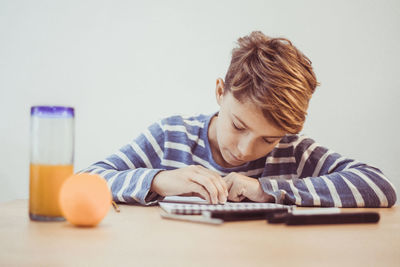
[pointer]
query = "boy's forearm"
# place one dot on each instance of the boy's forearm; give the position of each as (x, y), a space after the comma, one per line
(128, 186)
(346, 188)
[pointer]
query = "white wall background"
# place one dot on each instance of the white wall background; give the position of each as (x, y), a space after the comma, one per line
(124, 64)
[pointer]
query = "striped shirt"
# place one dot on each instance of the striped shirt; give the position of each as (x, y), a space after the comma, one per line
(297, 171)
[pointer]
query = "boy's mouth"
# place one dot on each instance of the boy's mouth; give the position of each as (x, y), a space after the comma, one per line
(236, 159)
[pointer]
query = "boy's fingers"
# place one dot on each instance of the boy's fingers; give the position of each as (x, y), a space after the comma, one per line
(199, 191)
(208, 185)
(218, 182)
(222, 193)
(229, 184)
(237, 198)
(236, 191)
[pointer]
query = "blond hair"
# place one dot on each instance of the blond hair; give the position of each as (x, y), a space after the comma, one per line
(274, 75)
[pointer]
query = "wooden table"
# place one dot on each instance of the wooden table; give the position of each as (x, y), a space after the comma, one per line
(138, 236)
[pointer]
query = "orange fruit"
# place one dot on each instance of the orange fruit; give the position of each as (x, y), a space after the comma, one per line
(85, 199)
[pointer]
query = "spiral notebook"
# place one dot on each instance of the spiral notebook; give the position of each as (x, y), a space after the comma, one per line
(196, 206)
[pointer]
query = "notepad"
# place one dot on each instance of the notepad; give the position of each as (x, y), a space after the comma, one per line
(194, 206)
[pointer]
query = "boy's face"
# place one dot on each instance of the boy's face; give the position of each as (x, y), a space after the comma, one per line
(242, 132)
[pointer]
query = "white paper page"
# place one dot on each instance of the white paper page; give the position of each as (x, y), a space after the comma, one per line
(182, 199)
(197, 208)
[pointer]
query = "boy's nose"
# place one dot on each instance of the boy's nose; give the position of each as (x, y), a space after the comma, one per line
(245, 148)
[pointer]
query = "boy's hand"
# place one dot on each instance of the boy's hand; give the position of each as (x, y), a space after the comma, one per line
(191, 181)
(241, 186)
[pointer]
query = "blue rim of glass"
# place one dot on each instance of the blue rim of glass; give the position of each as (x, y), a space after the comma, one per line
(53, 111)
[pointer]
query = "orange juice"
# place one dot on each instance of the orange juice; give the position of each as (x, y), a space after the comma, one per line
(44, 187)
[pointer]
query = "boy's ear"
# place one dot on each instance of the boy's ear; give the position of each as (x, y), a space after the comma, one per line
(219, 90)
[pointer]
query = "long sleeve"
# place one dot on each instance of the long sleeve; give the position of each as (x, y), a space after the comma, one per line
(130, 171)
(316, 176)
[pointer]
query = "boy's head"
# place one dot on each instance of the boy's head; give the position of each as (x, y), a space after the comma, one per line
(265, 96)
(275, 76)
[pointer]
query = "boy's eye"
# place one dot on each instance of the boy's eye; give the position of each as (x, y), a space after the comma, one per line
(236, 127)
(267, 141)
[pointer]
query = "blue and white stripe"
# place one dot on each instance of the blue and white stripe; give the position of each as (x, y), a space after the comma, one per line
(298, 171)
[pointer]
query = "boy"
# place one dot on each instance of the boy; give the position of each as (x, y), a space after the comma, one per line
(250, 148)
